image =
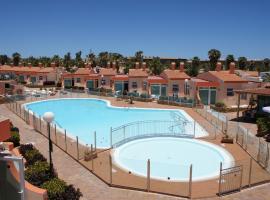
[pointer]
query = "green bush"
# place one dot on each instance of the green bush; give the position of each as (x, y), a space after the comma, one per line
(55, 188)
(263, 125)
(71, 193)
(38, 173)
(33, 156)
(220, 105)
(25, 148)
(14, 138)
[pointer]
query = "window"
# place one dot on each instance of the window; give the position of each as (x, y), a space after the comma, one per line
(40, 78)
(78, 80)
(230, 92)
(144, 85)
(175, 88)
(134, 84)
(243, 96)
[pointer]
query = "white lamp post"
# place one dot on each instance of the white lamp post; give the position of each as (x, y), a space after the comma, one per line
(49, 117)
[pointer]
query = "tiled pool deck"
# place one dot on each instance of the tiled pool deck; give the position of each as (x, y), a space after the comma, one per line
(92, 187)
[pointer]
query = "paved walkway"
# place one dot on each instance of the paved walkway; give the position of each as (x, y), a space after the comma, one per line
(93, 188)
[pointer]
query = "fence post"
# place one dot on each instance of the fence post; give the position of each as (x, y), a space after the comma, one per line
(40, 128)
(124, 129)
(20, 111)
(250, 172)
(66, 140)
(55, 133)
(110, 163)
(219, 183)
(148, 175)
(194, 128)
(92, 157)
(28, 117)
(111, 136)
(190, 182)
(77, 141)
(259, 151)
(95, 140)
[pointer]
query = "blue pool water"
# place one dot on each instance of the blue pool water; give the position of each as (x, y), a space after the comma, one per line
(172, 157)
(81, 117)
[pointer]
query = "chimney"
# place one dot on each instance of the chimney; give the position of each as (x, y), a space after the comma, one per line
(108, 64)
(29, 65)
(137, 65)
(144, 65)
(86, 65)
(40, 65)
(232, 68)
(218, 67)
(53, 65)
(173, 66)
(114, 65)
(182, 67)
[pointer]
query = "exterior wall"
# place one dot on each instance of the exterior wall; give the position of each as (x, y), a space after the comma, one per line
(108, 82)
(4, 129)
(140, 84)
(181, 87)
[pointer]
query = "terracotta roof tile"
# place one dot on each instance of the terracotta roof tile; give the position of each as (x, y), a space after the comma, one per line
(226, 76)
(137, 73)
(108, 71)
(174, 74)
(156, 80)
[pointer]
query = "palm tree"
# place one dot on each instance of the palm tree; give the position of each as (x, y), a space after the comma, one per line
(139, 56)
(242, 63)
(252, 65)
(229, 59)
(3, 59)
(16, 58)
(67, 61)
(193, 67)
(266, 63)
(103, 58)
(91, 57)
(214, 55)
(155, 66)
(57, 60)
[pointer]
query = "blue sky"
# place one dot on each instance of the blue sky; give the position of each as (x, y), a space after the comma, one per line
(168, 28)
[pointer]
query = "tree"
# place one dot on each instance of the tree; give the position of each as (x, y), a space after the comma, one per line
(16, 58)
(193, 67)
(3, 59)
(266, 63)
(91, 57)
(155, 66)
(103, 58)
(242, 63)
(229, 59)
(67, 60)
(78, 59)
(251, 66)
(57, 60)
(139, 56)
(214, 55)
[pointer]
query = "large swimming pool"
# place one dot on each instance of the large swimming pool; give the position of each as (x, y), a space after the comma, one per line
(82, 116)
(170, 158)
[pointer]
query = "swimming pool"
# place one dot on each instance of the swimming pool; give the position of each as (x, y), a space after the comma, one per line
(82, 116)
(170, 158)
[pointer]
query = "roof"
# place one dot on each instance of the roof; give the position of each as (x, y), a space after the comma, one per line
(175, 74)
(120, 77)
(24, 69)
(225, 76)
(204, 83)
(82, 71)
(137, 73)
(263, 91)
(108, 71)
(156, 80)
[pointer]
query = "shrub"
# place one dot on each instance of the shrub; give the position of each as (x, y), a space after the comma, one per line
(38, 173)
(145, 95)
(55, 188)
(59, 84)
(33, 156)
(71, 193)
(14, 138)
(48, 83)
(25, 148)
(220, 105)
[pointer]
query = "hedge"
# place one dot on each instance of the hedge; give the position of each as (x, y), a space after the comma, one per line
(38, 173)
(14, 138)
(33, 156)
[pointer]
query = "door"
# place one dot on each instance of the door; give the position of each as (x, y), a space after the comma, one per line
(90, 85)
(164, 90)
(204, 96)
(155, 90)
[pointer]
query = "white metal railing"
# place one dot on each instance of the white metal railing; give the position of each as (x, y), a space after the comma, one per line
(150, 128)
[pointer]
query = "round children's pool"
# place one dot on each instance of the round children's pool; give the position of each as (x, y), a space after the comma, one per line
(170, 158)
